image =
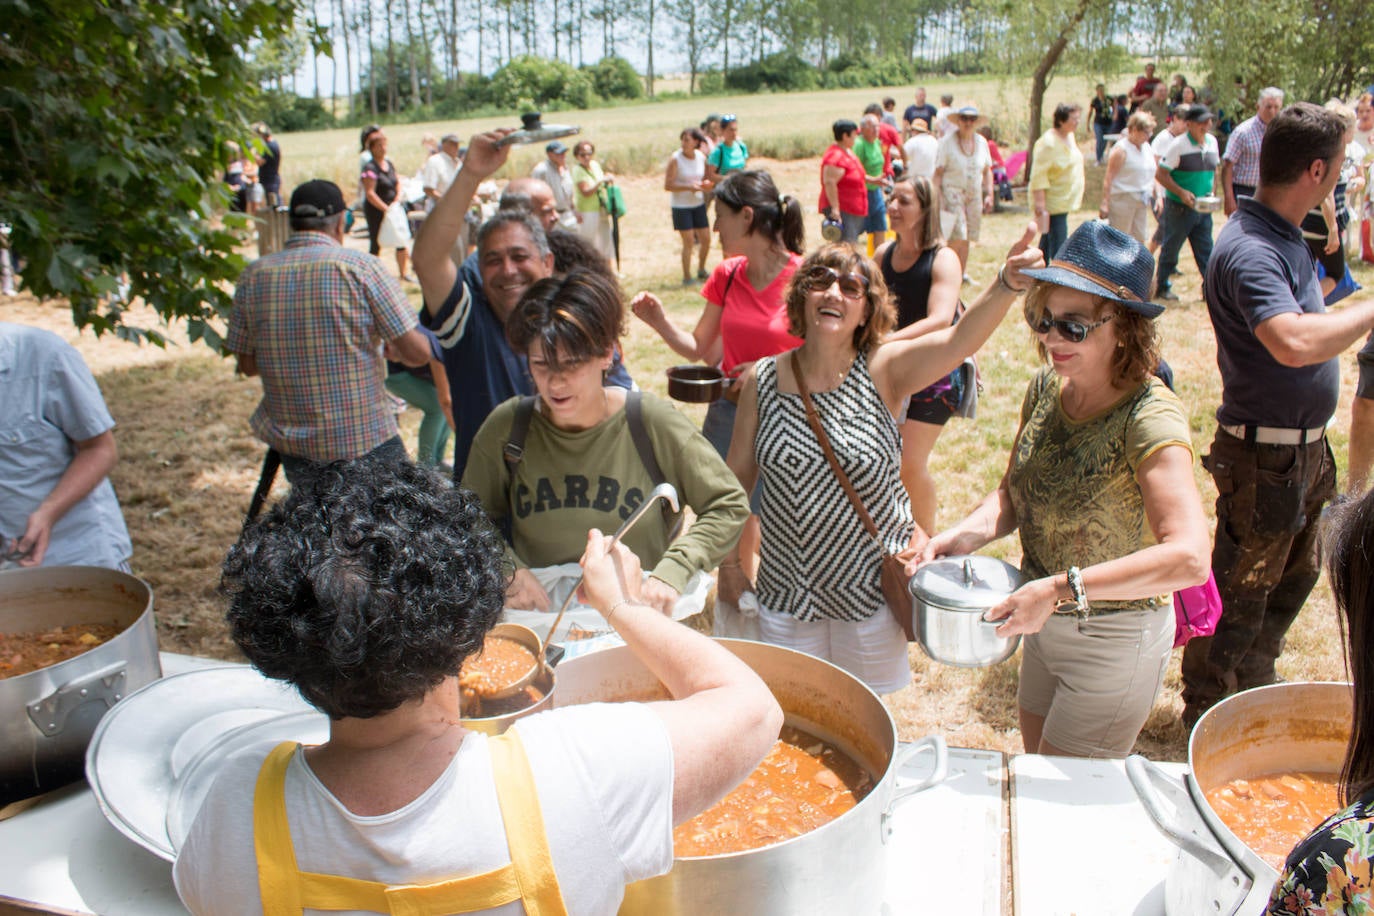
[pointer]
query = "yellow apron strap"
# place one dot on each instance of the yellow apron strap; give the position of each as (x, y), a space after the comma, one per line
(277, 881)
(529, 845)
(530, 878)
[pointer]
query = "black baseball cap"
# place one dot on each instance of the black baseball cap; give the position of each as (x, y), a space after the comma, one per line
(317, 198)
(1198, 113)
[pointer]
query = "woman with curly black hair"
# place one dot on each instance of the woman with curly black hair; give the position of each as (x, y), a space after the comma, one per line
(366, 590)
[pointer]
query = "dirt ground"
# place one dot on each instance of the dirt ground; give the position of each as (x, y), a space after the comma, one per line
(189, 463)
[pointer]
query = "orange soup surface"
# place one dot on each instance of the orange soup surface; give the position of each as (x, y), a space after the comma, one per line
(1271, 814)
(802, 784)
(501, 663)
(22, 653)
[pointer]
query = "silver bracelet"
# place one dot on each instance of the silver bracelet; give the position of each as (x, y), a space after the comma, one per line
(617, 606)
(1076, 589)
(1002, 281)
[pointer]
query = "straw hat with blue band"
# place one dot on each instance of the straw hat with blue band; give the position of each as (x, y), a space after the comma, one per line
(1106, 262)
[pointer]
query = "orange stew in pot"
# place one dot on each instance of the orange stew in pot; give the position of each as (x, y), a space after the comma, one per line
(22, 653)
(802, 784)
(1271, 814)
(501, 663)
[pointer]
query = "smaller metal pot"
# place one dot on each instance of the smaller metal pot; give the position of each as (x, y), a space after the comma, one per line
(948, 599)
(543, 681)
(695, 384)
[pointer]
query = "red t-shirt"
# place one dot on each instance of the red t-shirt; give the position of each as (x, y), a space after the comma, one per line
(851, 187)
(753, 323)
(888, 136)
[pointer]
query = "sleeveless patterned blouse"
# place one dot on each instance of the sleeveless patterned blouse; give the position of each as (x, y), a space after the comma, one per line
(817, 561)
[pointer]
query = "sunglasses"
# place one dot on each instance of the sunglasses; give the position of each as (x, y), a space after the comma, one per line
(819, 279)
(1070, 330)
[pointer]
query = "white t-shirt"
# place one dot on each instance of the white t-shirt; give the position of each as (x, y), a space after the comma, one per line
(920, 154)
(604, 776)
(944, 123)
(439, 171)
(688, 171)
(1137, 173)
(963, 174)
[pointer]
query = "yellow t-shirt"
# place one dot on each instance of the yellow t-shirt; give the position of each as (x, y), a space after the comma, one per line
(1072, 482)
(1058, 171)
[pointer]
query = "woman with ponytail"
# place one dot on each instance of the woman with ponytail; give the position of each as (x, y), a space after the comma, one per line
(745, 317)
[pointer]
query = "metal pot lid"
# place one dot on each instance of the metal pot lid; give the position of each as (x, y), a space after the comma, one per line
(144, 744)
(965, 583)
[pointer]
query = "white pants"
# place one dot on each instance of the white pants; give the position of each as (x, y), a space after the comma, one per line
(596, 228)
(873, 650)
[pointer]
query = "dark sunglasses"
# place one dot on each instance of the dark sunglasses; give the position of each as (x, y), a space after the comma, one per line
(819, 279)
(1070, 330)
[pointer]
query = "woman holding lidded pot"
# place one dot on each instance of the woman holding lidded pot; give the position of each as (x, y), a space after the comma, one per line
(1100, 485)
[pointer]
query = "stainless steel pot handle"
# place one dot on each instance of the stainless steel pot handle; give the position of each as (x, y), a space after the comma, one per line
(105, 684)
(1145, 777)
(934, 743)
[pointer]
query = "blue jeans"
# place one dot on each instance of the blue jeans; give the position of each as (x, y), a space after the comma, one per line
(1177, 223)
(1100, 132)
(1052, 241)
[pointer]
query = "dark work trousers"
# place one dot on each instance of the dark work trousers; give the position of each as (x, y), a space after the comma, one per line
(1269, 503)
(1177, 224)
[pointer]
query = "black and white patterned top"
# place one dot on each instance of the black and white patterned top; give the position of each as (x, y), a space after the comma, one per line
(817, 561)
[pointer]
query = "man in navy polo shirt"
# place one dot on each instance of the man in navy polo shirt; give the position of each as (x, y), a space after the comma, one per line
(1277, 350)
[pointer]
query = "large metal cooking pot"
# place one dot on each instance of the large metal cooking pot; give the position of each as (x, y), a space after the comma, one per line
(47, 716)
(948, 599)
(1260, 732)
(838, 868)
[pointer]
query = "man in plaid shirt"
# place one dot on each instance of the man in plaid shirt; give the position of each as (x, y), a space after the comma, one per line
(311, 320)
(1240, 162)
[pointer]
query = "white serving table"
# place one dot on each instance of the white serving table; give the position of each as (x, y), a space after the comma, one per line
(1081, 841)
(1037, 836)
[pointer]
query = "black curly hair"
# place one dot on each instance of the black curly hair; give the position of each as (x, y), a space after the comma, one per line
(367, 586)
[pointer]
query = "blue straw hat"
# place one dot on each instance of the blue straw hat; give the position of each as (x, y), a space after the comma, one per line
(1105, 262)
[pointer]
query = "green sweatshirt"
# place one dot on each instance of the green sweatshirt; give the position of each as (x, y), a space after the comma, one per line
(570, 482)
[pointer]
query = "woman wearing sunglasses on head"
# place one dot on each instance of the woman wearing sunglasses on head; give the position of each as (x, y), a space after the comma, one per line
(818, 581)
(1100, 484)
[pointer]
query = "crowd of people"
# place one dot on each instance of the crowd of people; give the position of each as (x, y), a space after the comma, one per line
(843, 364)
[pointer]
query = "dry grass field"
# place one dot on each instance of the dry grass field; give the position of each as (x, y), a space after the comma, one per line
(189, 463)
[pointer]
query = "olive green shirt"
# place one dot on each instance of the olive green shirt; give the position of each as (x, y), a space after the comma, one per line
(570, 482)
(1073, 484)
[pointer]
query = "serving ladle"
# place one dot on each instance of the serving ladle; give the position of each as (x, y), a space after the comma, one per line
(664, 491)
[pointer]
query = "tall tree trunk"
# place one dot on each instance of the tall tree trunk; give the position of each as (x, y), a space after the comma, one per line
(314, 56)
(371, 58)
(410, 56)
(481, 36)
(392, 93)
(650, 9)
(348, 57)
(727, 13)
(1040, 79)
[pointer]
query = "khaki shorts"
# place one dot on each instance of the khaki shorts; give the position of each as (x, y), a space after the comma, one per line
(965, 216)
(1095, 682)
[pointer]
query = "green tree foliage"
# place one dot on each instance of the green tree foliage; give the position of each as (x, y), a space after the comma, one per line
(781, 72)
(1313, 50)
(531, 82)
(615, 78)
(112, 117)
